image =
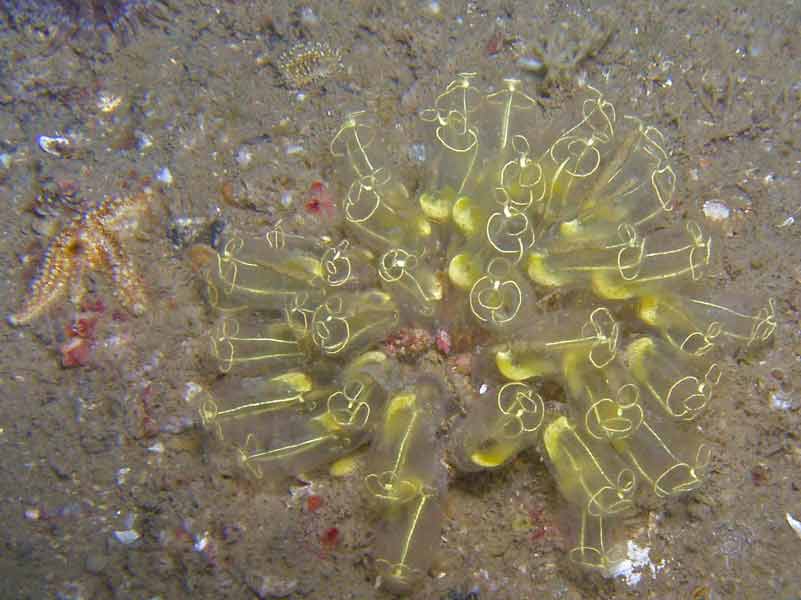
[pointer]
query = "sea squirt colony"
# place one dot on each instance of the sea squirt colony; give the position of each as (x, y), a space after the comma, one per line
(559, 251)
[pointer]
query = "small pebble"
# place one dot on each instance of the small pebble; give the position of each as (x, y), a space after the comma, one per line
(269, 586)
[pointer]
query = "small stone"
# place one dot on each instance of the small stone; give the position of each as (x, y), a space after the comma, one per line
(269, 586)
(699, 511)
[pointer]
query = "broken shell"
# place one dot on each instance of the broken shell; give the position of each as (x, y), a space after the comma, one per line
(57, 146)
(794, 523)
(127, 536)
(714, 210)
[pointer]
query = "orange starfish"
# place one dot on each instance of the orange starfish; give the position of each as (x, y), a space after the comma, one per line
(91, 242)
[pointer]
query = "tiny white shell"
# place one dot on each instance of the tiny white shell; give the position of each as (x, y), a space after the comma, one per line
(56, 145)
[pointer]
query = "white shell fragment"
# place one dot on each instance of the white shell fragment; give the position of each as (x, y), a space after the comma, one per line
(201, 542)
(632, 567)
(191, 389)
(715, 210)
(56, 145)
(108, 103)
(794, 523)
(127, 536)
(164, 176)
(530, 64)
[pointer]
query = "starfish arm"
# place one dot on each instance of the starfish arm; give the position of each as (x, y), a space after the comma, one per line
(128, 285)
(56, 272)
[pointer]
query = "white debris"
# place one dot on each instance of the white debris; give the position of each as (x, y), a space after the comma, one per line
(143, 141)
(127, 536)
(191, 389)
(417, 152)
(244, 157)
(201, 542)
(108, 103)
(631, 568)
(164, 176)
(794, 523)
(122, 475)
(293, 149)
(308, 17)
(714, 210)
(531, 64)
(780, 401)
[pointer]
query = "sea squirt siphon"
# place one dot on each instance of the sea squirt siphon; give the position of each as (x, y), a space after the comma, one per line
(553, 244)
